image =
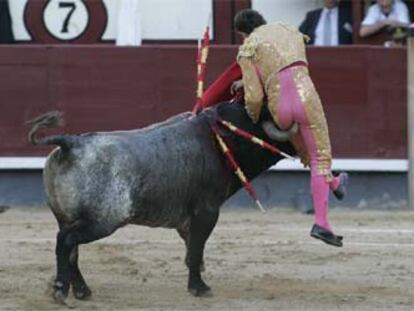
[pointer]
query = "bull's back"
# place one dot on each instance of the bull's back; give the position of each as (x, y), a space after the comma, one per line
(147, 176)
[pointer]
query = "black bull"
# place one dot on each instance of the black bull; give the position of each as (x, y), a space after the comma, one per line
(172, 174)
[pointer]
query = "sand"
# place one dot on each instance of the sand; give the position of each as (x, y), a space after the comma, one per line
(253, 262)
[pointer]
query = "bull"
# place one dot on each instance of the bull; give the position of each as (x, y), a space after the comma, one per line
(171, 174)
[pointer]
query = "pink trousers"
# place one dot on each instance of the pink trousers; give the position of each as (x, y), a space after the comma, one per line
(299, 102)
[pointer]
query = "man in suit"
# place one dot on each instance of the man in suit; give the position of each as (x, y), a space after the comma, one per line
(330, 25)
(6, 33)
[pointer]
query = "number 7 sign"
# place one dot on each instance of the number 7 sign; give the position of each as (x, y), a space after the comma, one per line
(72, 7)
(65, 21)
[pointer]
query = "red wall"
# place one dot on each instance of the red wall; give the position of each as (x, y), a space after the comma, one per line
(108, 88)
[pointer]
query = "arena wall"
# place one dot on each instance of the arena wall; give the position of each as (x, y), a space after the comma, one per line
(25, 17)
(101, 88)
(108, 88)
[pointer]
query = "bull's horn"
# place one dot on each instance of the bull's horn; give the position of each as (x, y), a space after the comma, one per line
(276, 134)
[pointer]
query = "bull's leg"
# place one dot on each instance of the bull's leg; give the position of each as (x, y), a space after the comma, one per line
(202, 224)
(68, 239)
(185, 235)
(79, 287)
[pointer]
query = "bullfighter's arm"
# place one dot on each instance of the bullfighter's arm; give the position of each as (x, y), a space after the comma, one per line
(253, 90)
(219, 90)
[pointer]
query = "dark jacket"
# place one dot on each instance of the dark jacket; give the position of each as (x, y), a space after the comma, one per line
(308, 26)
(6, 33)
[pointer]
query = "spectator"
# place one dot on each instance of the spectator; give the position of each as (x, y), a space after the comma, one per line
(328, 26)
(384, 14)
(6, 33)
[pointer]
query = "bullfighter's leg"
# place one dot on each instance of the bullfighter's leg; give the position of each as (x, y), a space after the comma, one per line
(202, 224)
(184, 233)
(299, 102)
(68, 238)
(79, 287)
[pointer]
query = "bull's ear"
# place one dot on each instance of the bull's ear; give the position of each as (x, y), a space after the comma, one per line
(277, 134)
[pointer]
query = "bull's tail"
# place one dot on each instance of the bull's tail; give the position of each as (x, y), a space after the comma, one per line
(50, 119)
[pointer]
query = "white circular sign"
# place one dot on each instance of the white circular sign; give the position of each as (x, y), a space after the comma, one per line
(66, 19)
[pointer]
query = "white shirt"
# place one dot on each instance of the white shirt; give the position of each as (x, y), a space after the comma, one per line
(399, 12)
(320, 28)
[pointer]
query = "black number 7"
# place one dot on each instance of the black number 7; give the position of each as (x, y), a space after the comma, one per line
(72, 7)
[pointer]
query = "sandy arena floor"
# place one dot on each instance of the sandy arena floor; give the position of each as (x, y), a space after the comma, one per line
(253, 261)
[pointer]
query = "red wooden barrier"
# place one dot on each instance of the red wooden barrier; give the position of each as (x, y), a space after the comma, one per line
(107, 88)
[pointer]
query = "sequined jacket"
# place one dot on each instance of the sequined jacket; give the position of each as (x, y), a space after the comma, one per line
(268, 49)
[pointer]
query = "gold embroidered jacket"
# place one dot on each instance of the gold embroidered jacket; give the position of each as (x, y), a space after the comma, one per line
(268, 48)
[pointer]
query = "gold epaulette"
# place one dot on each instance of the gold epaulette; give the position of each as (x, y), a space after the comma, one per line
(248, 48)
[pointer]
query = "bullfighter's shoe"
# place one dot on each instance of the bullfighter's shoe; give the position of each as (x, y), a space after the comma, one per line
(341, 191)
(326, 236)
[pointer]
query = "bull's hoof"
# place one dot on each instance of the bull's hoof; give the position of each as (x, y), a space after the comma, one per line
(60, 297)
(59, 293)
(83, 293)
(200, 290)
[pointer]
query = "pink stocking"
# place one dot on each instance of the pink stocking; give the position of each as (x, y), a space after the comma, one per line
(291, 109)
(320, 192)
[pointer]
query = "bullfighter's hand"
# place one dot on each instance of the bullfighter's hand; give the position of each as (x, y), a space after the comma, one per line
(236, 87)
